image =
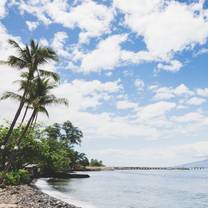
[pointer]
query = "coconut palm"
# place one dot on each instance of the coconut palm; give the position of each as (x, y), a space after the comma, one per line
(30, 57)
(39, 99)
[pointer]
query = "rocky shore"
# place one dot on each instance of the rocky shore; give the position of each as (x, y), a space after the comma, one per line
(25, 196)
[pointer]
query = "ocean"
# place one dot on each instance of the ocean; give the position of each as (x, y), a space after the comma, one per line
(133, 189)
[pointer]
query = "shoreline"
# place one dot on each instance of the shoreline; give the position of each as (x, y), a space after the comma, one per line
(29, 196)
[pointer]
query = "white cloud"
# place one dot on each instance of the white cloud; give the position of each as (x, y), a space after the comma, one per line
(166, 26)
(93, 19)
(202, 92)
(182, 90)
(172, 66)
(167, 93)
(139, 84)
(196, 117)
(196, 101)
(32, 25)
(87, 94)
(5, 48)
(155, 110)
(201, 51)
(163, 93)
(44, 42)
(58, 44)
(106, 56)
(124, 104)
(138, 57)
(3, 8)
(8, 76)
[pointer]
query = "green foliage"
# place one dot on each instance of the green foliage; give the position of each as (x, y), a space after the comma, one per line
(55, 156)
(15, 177)
(96, 163)
(78, 160)
(66, 132)
(51, 148)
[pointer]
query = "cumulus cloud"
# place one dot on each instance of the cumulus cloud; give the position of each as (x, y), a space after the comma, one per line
(155, 110)
(3, 8)
(58, 44)
(139, 84)
(106, 56)
(166, 93)
(196, 101)
(87, 94)
(32, 25)
(202, 92)
(93, 19)
(124, 104)
(166, 26)
(172, 66)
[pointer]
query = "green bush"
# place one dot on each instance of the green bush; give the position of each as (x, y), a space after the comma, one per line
(16, 177)
(24, 176)
(96, 163)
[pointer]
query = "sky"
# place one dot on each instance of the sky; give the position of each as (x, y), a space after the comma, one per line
(134, 72)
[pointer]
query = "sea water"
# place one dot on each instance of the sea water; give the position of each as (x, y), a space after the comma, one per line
(133, 189)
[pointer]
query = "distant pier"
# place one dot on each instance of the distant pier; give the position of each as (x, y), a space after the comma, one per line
(159, 168)
(140, 168)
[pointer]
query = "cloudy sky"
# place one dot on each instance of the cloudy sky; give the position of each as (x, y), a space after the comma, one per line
(135, 73)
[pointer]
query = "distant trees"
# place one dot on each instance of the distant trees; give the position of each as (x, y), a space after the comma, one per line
(66, 132)
(96, 163)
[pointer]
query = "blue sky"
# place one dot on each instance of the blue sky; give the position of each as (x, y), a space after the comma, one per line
(135, 73)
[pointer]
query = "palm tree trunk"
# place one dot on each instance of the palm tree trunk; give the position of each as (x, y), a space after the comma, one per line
(35, 120)
(21, 105)
(23, 118)
(12, 156)
(29, 123)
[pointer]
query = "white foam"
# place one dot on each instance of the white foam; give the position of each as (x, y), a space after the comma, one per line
(45, 188)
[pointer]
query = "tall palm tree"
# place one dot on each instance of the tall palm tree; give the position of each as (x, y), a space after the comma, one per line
(39, 99)
(30, 57)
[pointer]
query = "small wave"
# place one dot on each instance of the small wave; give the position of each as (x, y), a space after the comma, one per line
(45, 188)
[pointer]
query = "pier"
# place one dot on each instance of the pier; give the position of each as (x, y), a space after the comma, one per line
(159, 168)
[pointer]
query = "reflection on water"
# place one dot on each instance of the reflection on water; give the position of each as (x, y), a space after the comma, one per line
(134, 189)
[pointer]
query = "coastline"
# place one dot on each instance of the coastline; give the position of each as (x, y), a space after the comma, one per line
(24, 196)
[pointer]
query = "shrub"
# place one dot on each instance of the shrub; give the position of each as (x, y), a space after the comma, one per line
(24, 176)
(16, 177)
(96, 163)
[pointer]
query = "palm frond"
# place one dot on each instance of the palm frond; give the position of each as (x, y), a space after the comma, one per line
(58, 101)
(46, 73)
(16, 62)
(11, 95)
(43, 110)
(15, 45)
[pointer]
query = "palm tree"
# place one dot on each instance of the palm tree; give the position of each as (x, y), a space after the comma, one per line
(30, 57)
(39, 99)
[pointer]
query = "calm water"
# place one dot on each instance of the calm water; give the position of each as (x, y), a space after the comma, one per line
(134, 189)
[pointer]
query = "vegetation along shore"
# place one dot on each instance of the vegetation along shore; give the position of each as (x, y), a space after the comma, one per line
(29, 150)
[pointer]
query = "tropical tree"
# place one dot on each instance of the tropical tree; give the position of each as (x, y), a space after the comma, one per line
(78, 160)
(39, 98)
(29, 57)
(66, 132)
